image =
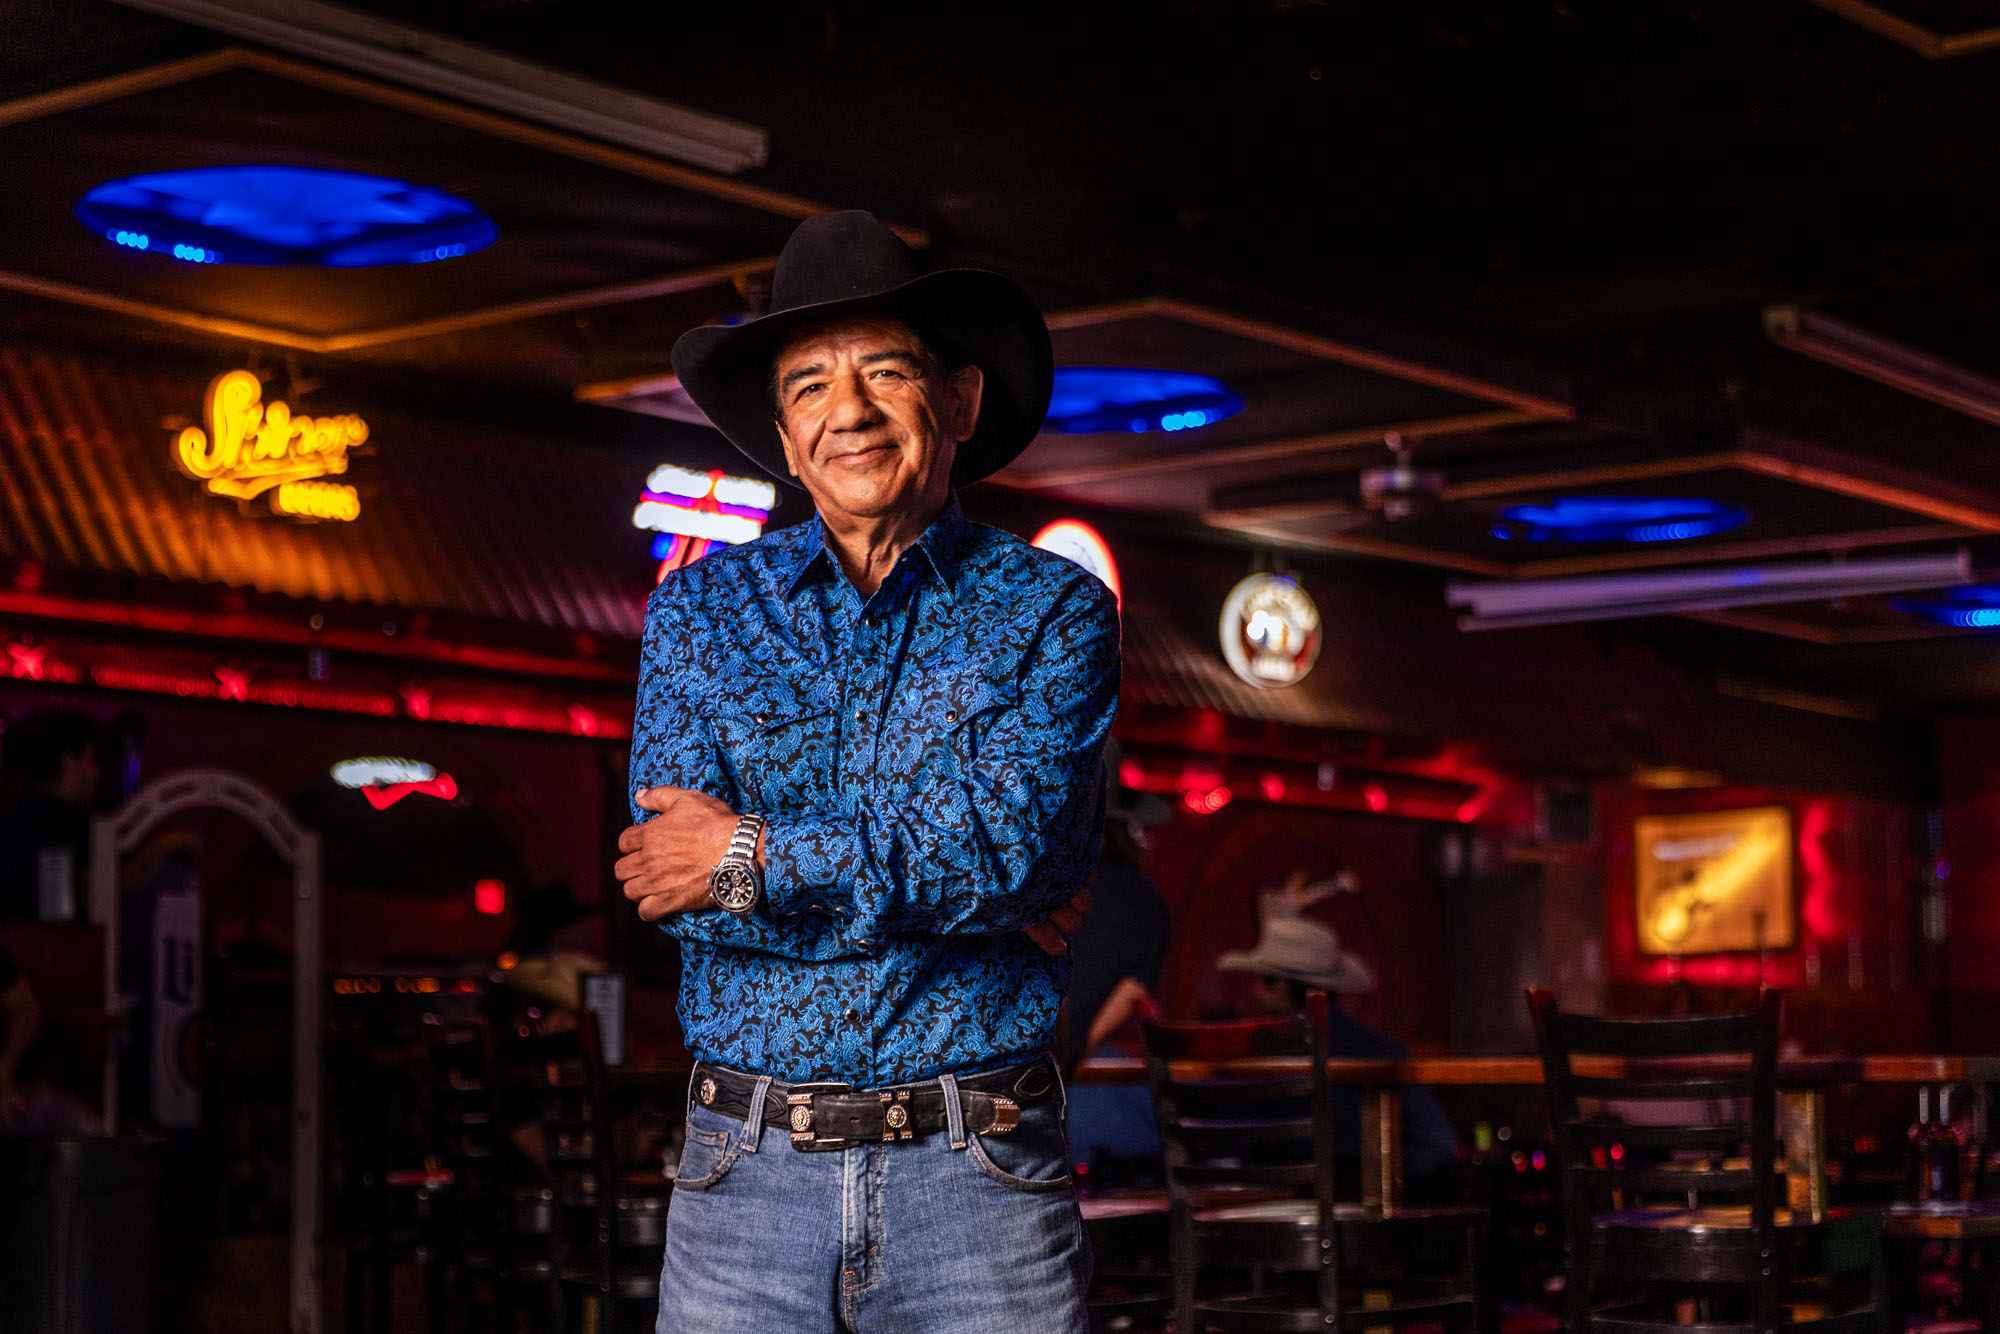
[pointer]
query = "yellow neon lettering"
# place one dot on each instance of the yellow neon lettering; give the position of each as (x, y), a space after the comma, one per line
(317, 500)
(250, 447)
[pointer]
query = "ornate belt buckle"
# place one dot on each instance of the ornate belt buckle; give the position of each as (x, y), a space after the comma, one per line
(799, 1117)
(1006, 1114)
(896, 1116)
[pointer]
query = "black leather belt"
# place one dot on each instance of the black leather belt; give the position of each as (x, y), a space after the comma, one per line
(827, 1116)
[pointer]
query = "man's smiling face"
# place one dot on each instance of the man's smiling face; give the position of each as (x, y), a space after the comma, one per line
(869, 421)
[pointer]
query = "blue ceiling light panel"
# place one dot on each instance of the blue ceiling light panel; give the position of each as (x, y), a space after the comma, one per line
(296, 216)
(1088, 400)
(1973, 607)
(1617, 519)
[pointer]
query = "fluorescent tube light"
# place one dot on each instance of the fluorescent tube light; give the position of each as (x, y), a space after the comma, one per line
(1887, 362)
(1507, 604)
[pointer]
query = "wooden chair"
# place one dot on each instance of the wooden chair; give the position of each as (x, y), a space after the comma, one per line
(610, 1225)
(1314, 1263)
(1677, 1217)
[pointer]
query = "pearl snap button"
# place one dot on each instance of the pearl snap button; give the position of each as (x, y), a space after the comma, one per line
(951, 715)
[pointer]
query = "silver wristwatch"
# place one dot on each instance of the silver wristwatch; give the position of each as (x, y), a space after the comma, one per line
(736, 883)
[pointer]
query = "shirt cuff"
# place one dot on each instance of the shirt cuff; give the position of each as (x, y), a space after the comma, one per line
(804, 861)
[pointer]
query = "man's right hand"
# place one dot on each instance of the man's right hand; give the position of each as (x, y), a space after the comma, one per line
(1052, 936)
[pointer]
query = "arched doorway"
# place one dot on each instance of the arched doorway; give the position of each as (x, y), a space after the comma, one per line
(113, 838)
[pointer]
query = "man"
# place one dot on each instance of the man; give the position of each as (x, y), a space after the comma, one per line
(1295, 954)
(868, 749)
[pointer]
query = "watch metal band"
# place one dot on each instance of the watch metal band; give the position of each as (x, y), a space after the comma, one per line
(743, 843)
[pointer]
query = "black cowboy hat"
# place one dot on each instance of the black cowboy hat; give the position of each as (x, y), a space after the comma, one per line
(849, 263)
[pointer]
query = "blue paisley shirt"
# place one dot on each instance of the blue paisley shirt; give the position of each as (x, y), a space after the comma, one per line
(928, 761)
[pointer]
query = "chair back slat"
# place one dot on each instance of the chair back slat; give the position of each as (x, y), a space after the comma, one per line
(1195, 1175)
(1671, 1181)
(1717, 1135)
(1701, 1035)
(1662, 1086)
(1197, 1096)
(1234, 1040)
(1224, 1138)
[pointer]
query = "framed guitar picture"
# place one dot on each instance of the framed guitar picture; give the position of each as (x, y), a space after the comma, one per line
(1714, 882)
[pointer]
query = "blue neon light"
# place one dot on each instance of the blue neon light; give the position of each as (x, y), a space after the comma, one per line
(1091, 399)
(299, 216)
(1617, 519)
(1973, 607)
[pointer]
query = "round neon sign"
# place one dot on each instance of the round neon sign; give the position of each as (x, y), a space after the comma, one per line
(1270, 631)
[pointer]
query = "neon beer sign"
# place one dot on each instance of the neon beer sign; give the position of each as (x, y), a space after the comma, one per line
(251, 447)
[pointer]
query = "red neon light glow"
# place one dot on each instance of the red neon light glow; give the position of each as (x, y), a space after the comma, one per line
(383, 796)
(1377, 797)
(489, 897)
(235, 683)
(684, 552)
(1081, 543)
(28, 660)
(1272, 786)
(1206, 801)
(1818, 901)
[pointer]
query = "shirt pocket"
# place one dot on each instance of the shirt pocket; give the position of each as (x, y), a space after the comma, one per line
(945, 718)
(778, 743)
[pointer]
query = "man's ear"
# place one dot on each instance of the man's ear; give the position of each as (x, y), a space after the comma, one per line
(785, 439)
(963, 393)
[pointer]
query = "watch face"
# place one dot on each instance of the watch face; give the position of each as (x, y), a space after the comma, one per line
(734, 886)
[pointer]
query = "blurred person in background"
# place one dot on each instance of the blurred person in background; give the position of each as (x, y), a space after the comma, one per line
(20, 1017)
(52, 768)
(1119, 948)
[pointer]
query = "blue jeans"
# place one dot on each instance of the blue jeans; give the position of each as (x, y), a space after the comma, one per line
(950, 1233)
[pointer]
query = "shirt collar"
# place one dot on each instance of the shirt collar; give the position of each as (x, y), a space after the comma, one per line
(936, 547)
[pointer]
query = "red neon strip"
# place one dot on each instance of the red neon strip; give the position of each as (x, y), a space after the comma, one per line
(238, 626)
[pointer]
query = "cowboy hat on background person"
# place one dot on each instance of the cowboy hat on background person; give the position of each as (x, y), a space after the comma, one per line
(1300, 949)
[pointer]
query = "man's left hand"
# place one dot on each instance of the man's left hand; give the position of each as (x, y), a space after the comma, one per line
(669, 859)
(1052, 935)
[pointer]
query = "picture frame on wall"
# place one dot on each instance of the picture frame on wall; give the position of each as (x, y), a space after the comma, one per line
(1714, 882)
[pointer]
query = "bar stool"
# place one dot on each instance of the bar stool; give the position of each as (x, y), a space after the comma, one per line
(1131, 1284)
(389, 1203)
(1679, 1230)
(611, 1227)
(1313, 1263)
(500, 1226)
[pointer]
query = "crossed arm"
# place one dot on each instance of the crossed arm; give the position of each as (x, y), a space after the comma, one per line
(994, 849)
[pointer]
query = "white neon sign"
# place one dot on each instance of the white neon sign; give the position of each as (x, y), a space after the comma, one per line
(696, 511)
